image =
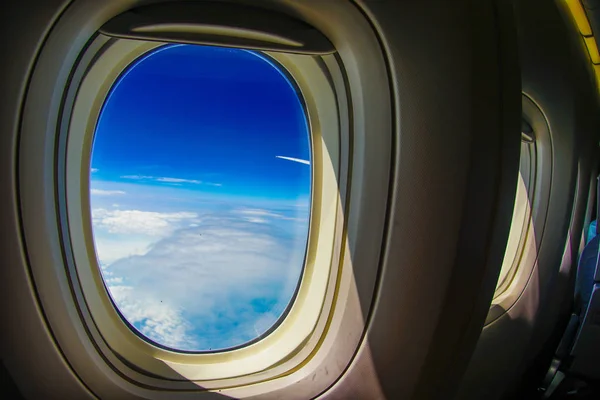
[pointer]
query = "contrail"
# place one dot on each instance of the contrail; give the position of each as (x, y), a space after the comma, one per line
(298, 160)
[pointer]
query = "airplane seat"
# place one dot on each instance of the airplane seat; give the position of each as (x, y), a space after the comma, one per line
(579, 348)
(586, 351)
(586, 348)
(586, 272)
(587, 269)
(587, 266)
(591, 232)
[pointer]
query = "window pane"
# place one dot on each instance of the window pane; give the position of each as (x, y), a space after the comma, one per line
(200, 195)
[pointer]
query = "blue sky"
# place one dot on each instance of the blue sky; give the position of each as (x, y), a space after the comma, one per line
(200, 191)
(214, 115)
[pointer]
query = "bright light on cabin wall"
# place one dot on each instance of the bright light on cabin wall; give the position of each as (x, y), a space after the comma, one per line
(200, 196)
(520, 212)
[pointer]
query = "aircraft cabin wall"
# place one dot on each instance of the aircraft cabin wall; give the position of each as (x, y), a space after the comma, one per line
(517, 344)
(413, 112)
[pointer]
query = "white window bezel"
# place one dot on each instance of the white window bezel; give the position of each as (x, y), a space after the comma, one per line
(521, 219)
(302, 318)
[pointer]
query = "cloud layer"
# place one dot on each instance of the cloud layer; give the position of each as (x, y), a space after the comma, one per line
(100, 192)
(139, 222)
(209, 282)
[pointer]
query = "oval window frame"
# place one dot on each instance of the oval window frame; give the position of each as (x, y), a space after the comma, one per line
(279, 70)
(302, 318)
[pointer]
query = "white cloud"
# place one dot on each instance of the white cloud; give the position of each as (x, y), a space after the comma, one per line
(256, 220)
(100, 192)
(258, 212)
(114, 281)
(178, 180)
(93, 170)
(136, 177)
(298, 160)
(156, 319)
(138, 222)
(215, 285)
(165, 179)
(261, 215)
(110, 249)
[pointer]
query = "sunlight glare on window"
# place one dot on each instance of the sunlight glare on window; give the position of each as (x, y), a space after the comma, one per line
(200, 195)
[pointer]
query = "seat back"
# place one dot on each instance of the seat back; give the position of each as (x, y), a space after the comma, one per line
(585, 354)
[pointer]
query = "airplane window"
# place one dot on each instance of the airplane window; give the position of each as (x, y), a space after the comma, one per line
(200, 196)
(520, 216)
